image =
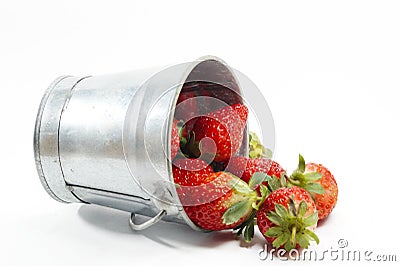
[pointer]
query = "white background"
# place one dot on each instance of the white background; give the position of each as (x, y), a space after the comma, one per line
(330, 71)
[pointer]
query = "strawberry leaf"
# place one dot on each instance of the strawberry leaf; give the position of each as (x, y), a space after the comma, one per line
(274, 231)
(264, 191)
(312, 235)
(240, 186)
(275, 183)
(256, 149)
(312, 176)
(311, 220)
(257, 178)
(236, 211)
(303, 241)
(281, 239)
(249, 222)
(314, 188)
(302, 164)
(273, 217)
(281, 210)
(308, 181)
(264, 194)
(249, 232)
(289, 245)
(302, 209)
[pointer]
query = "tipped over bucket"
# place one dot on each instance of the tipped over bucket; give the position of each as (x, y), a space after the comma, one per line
(106, 140)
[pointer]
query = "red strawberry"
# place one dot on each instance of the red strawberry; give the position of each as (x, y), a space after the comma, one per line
(319, 182)
(175, 139)
(221, 201)
(190, 172)
(327, 201)
(246, 167)
(221, 131)
(287, 218)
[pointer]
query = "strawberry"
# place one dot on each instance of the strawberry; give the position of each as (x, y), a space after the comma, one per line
(327, 201)
(175, 139)
(287, 218)
(246, 167)
(190, 172)
(319, 182)
(220, 133)
(221, 201)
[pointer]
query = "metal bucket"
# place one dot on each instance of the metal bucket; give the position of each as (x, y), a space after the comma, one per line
(106, 139)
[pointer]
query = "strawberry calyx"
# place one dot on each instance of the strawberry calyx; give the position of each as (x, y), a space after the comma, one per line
(241, 202)
(308, 181)
(256, 149)
(292, 228)
(265, 184)
(247, 226)
(181, 130)
(271, 183)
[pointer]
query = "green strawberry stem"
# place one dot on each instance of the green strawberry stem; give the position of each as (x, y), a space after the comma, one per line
(292, 227)
(293, 238)
(264, 194)
(308, 181)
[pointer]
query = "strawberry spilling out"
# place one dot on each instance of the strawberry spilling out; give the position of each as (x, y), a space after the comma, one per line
(319, 182)
(325, 202)
(221, 189)
(288, 218)
(220, 201)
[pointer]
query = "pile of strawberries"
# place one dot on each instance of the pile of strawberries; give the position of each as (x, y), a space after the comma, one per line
(220, 190)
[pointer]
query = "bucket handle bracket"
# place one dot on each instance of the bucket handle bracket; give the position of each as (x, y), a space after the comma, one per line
(148, 223)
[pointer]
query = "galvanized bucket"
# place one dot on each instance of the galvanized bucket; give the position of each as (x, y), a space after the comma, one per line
(106, 139)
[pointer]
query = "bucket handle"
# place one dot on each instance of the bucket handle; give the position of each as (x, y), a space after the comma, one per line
(148, 223)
